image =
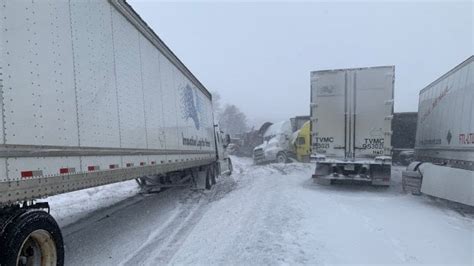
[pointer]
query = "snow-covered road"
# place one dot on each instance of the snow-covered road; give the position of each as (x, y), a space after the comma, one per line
(270, 214)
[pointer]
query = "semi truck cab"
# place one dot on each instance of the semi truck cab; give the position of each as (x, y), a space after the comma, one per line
(301, 143)
(223, 159)
(276, 146)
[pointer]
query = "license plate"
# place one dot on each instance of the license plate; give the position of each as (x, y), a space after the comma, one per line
(349, 167)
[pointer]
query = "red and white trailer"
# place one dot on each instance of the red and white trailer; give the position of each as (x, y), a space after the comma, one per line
(444, 149)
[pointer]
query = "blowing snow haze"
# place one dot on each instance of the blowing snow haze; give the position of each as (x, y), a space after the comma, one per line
(261, 53)
(110, 154)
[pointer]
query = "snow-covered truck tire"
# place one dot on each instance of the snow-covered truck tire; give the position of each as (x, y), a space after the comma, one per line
(282, 157)
(31, 237)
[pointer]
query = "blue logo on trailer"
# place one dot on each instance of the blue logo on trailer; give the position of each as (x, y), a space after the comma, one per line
(191, 105)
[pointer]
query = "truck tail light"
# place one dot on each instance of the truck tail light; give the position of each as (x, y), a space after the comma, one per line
(67, 170)
(93, 168)
(32, 173)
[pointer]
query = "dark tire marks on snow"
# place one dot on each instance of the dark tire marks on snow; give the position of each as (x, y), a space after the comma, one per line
(163, 244)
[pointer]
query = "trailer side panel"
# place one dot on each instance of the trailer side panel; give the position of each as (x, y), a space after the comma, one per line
(88, 87)
(445, 130)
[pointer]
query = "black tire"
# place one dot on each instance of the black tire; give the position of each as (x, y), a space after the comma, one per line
(231, 167)
(35, 235)
(213, 172)
(208, 178)
(218, 170)
(282, 157)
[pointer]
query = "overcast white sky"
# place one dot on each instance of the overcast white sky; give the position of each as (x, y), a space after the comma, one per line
(258, 55)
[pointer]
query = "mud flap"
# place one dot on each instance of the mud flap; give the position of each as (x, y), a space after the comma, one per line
(411, 182)
(380, 174)
(322, 169)
(321, 174)
(321, 180)
(199, 178)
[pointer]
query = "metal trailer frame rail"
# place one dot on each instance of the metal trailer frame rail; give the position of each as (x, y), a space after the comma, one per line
(13, 192)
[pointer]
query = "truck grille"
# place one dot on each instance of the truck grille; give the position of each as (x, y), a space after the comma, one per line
(258, 155)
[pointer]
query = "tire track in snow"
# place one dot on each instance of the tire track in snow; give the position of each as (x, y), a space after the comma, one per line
(162, 244)
(166, 238)
(269, 215)
(157, 238)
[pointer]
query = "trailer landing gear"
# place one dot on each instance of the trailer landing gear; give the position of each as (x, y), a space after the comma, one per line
(30, 236)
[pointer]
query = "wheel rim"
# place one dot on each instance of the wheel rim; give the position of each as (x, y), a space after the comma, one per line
(281, 159)
(38, 249)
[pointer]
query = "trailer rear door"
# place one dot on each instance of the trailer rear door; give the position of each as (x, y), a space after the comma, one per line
(373, 98)
(351, 112)
(328, 113)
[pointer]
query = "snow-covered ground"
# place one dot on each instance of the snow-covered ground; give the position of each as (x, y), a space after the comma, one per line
(71, 207)
(270, 214)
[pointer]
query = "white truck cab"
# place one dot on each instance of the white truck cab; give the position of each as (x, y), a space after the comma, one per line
(223, 159)
(276, 144)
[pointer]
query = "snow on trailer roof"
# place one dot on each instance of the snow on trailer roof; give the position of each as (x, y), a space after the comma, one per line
(345, 69)
(454, 69)
(123, 7)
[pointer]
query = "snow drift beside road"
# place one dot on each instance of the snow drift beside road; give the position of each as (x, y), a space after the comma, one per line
(71, 207)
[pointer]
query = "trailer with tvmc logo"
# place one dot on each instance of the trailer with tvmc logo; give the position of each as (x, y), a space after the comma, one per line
(351, 113)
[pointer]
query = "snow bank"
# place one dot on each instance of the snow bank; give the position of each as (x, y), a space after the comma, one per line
(70, 207)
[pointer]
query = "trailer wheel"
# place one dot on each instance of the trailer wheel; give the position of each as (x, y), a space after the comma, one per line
(213, 174)
(32, 238)
(231, 167)
(208, 178)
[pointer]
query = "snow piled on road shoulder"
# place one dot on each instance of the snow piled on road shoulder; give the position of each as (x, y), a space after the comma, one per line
(70, 207)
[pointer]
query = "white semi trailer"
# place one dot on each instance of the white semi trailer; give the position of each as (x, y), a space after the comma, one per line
(351, 113)
(91, 96)
(444, 148)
